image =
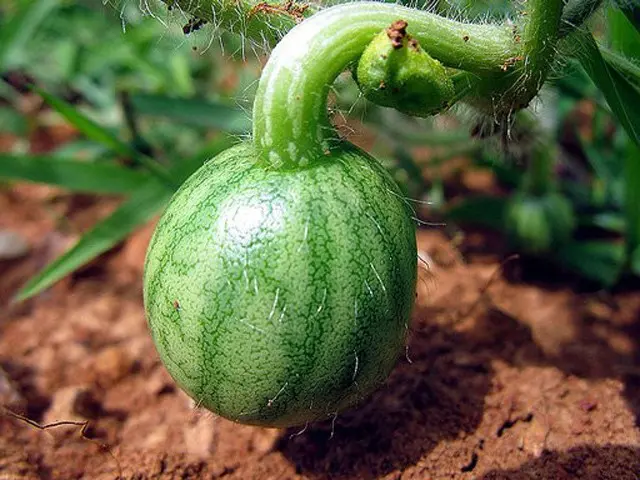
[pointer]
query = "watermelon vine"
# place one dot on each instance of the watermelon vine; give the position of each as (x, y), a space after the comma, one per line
(279, 281)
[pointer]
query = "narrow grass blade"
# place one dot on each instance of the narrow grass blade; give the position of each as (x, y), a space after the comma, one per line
(16, 31)
(600, 261)
(623, 65)
(623, 97)
(575, 13)
(632, 195)
(146, 202)
(635, 262)
(407, 163)
(101, 135)
(611, 221)
(13, 122)
(134, 212)
(623, 35)
(506, 173)
(600, 162)
(196, 112)
(74, 175)
(631, 8)
(87, 126)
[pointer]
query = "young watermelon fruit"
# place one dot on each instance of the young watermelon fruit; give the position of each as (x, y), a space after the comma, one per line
(279, 297)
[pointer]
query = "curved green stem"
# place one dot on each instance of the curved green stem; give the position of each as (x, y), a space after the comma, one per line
(540, 38)
(291, 126)
(290, 123)
(527, 70)
(267, 21)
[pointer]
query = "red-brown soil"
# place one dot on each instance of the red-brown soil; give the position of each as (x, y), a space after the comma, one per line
(503, 379)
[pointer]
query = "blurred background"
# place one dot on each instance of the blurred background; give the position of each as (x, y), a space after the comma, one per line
(106, 108)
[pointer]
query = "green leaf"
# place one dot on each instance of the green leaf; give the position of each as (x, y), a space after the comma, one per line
(622, 96)
(485, 211)
(505, 172)
(13, 122)
(632, 195)
(181, 76)
(623, 35)
(83, 149)
(191, 111)
(604, 163)
(575, 13)
(74, 175)
(635, 262)
(137, 210)
(623, 65)
(600, 261)
(101, 135)
(612, 221)
(87, 126)
(134, 212)
(631, 8)
(19, 29)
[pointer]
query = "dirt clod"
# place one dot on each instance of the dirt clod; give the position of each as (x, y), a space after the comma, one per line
(12, 245)
(9, 395)
(110, 365)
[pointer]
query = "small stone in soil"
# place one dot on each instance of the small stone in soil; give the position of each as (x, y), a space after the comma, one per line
(12, 245)
(9, 395)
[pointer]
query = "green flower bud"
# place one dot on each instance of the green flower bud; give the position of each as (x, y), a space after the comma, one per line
(395, 72)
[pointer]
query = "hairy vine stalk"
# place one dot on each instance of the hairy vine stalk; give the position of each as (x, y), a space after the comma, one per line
(268, 21)
(539, 39)
(264, 23)
(509, 61)
(290, 120)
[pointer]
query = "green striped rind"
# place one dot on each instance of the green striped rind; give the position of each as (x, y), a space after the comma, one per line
(279, 297)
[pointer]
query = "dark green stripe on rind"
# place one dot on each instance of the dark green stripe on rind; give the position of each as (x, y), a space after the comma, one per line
(276, 298)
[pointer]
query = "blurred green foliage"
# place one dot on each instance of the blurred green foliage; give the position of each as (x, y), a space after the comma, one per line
(151, 104)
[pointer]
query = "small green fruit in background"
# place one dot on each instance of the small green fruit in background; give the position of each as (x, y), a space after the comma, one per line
(278, 297)
(537, 224)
